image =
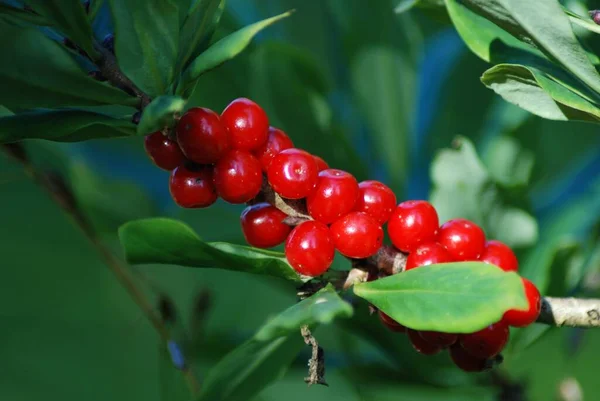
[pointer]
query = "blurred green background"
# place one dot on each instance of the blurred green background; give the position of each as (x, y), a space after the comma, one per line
(372, 92)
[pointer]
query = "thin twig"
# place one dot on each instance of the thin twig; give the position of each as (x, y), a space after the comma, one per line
(316, 363)
(573, 312)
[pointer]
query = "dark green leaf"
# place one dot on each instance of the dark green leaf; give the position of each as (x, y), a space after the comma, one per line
(18, 14)
(160, 113)
(63, 126)
(198, 29)
(222, 51)
(406, 5)
(246, 370)
(173, 386)
(95, 7)
(452, 297)
(42, 73)
(146, 42)
(69, 17)
(166, 241)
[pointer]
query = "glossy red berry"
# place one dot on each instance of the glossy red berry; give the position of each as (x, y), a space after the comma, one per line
(238, 176)
(412, 223)
(463, 239)
(420, 345)
(309, 248)
(334, 196)
(375, 199)
(164, 152)
(247, 123)
(202, 137)
(499, 254)
(464, 361)
(321, 164)
(522, 318)
(391, 323)
(487, 342)
(357, 235)
(192, 187)
(427, 254)
(293, 173)
(276, 142)
(443, 340)
(263, 225)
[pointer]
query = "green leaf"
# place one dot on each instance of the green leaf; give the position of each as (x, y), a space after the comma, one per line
(18, 14)
(63, 126)
(172, 384)
(584, 22)
(452, 297)
(198, 29)
(146, 42)
(160, 113)
(508, 162)
(42, 73)
(166, 241)
(69, 17)
(222, 51)
(245, 371)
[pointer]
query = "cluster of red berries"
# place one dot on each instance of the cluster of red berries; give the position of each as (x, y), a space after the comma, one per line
(414, 228)
(230, 155)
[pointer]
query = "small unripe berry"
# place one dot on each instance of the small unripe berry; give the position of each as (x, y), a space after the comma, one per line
(443, 340)
(247, 123)
(192, 186)
(391, 323)
(420, 345)
(427, 254)
(293, 173)
(487, 342)
(334, 196)
(464, 361)
(277, 141)
(309, 248)
(463, 239)
(263, 225)
(500, 254)
(164, 152)
(202, 137)
(522, 318)
(375, 199)
(412, 223)
(238, 176)
(357, 235)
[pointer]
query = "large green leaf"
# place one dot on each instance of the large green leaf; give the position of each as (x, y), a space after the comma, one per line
(42, 73)
(198, 28)
(222, 51)
(508, 162)
(245, 371)
(452, 297)
(18, 14)
(160, 113)
(69, 17)
(146, 42)
(167, 241)
(63, 126)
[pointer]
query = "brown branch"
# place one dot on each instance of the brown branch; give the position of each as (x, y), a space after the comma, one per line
(316, 363)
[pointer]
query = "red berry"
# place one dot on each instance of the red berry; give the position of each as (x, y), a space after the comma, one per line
(463, 239)
(293, 173)
(500, 254)
(391, 323)
(164, 152)
(334, 196)
(193, 187)
(487, 342)
(427, 254)
(375, 199)
(321, 164)
(443, 340)
(309, 248)
(463, 360)
(238, 176)
(522, 318)
(412, 223)
(263, 225)
(247, 123)
(420, 345)
(357, 235)
(277, 141)
(202, 136)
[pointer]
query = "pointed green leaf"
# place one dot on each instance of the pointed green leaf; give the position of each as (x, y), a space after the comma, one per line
(160, 113)
(452, 297)
(63, 126)
(167, 241)
(222, 51)
(584, 22)
(19, 14)
(146, 42)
